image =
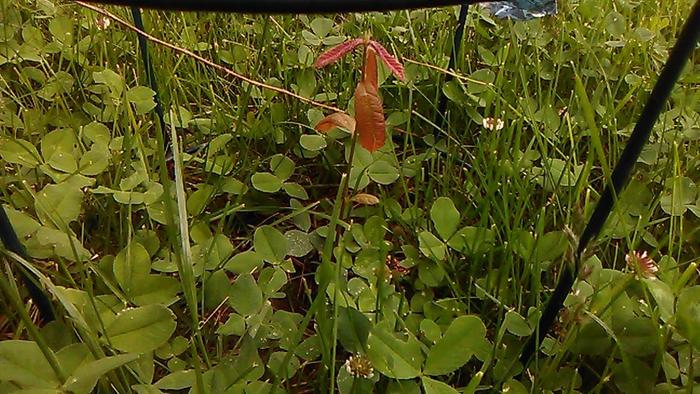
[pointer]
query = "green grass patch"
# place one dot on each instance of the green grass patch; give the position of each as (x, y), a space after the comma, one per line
(261, 256)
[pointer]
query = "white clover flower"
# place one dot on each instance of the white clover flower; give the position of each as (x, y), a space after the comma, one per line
(492, 123)
(359, 366)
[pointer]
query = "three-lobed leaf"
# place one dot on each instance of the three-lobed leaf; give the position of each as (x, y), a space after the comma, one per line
(431, 246)
(270, 244)
(266, 182)
(281, 166)
(462, 339)
(58, 204)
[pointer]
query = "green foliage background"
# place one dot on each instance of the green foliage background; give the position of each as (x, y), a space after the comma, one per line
(253, 271)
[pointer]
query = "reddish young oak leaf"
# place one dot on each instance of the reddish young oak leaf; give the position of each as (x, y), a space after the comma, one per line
(369, 116)
(369, 74)
(336, 119)
(332, 55)
(391, 62)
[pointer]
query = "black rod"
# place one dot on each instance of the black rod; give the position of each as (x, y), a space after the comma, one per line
(36, 294)
(456, 46)
(670, 73)
(286, 6)
(150, 74)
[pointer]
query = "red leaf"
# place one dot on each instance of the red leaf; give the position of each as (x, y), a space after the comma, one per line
(337, 119)
(332, 55)
(369, 116)
(369, 74)
(391, 62)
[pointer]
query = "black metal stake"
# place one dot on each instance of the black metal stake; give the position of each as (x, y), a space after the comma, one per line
(38, 296)
(680, 53)
(150, 74)
(287, 6)
(456, 46)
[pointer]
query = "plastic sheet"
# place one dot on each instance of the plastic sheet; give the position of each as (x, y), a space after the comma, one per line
(522, 9)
